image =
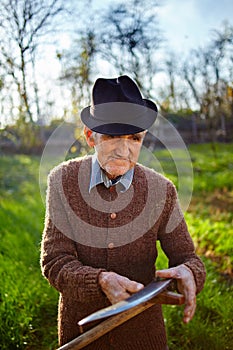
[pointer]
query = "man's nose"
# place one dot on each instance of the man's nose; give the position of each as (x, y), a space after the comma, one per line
(122, 149)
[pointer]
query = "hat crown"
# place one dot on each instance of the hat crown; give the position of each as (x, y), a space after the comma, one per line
(121, 89)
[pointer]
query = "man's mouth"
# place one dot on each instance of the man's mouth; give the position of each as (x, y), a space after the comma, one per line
(119, 159)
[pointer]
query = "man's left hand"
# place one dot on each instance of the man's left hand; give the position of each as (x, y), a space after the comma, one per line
(185, 284)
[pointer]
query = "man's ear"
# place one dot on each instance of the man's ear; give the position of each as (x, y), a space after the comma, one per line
(89, 136)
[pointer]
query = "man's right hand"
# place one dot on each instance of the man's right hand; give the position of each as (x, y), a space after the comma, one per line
(117, 287)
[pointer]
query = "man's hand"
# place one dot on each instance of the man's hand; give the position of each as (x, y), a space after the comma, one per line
(185, 284)
(117, 287)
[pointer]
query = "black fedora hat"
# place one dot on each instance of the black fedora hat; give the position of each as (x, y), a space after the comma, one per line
(117, 108)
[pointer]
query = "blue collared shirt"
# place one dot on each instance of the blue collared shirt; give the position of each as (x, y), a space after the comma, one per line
(98, 177)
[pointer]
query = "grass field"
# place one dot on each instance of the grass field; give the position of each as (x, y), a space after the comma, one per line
(28, 306)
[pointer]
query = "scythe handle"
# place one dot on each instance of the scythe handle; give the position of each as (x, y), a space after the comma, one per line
(106, 326)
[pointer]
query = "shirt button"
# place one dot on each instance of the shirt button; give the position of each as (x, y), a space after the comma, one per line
(113, 215)
(111, 245)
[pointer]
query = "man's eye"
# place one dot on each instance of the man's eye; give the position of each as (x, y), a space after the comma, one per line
(108, 137)
(136, 138)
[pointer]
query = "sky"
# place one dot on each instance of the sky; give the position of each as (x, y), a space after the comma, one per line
(188, 23)
(185, 24)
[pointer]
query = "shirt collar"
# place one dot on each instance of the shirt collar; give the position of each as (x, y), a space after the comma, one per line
(98, 177)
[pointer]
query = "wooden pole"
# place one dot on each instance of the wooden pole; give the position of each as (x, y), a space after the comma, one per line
(114, 321)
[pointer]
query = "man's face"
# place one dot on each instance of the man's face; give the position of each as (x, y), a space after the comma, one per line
(117, 154)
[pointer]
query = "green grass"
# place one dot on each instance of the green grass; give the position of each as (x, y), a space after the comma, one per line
(212, 169)
(210, 213)
(28, 305)
(212, 325)
(210, 222)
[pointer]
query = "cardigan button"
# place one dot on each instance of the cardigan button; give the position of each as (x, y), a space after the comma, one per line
(111, 245)
(113, 215)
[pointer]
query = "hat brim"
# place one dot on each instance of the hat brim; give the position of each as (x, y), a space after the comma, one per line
(120, 118)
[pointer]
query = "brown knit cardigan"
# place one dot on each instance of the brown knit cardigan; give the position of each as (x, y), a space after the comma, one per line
(81, 238)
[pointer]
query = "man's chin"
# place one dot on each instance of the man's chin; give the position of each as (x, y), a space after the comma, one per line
(115, 171)
(118, 167)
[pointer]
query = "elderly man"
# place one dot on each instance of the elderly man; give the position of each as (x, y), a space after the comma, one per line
(104, 215)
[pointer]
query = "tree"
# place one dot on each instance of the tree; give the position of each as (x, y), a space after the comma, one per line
(23, 26)
(208, 75)
(78, 69)
(171, 96)
(23, 23)
(128, 38)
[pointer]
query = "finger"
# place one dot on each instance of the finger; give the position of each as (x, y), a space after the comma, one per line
(190, 302)
(189, 310)
(134, 287)
(168, 273)
(189, 291)
(130, 286)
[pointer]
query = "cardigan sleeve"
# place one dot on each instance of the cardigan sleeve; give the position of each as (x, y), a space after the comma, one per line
(176, 241)
(59, 258)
